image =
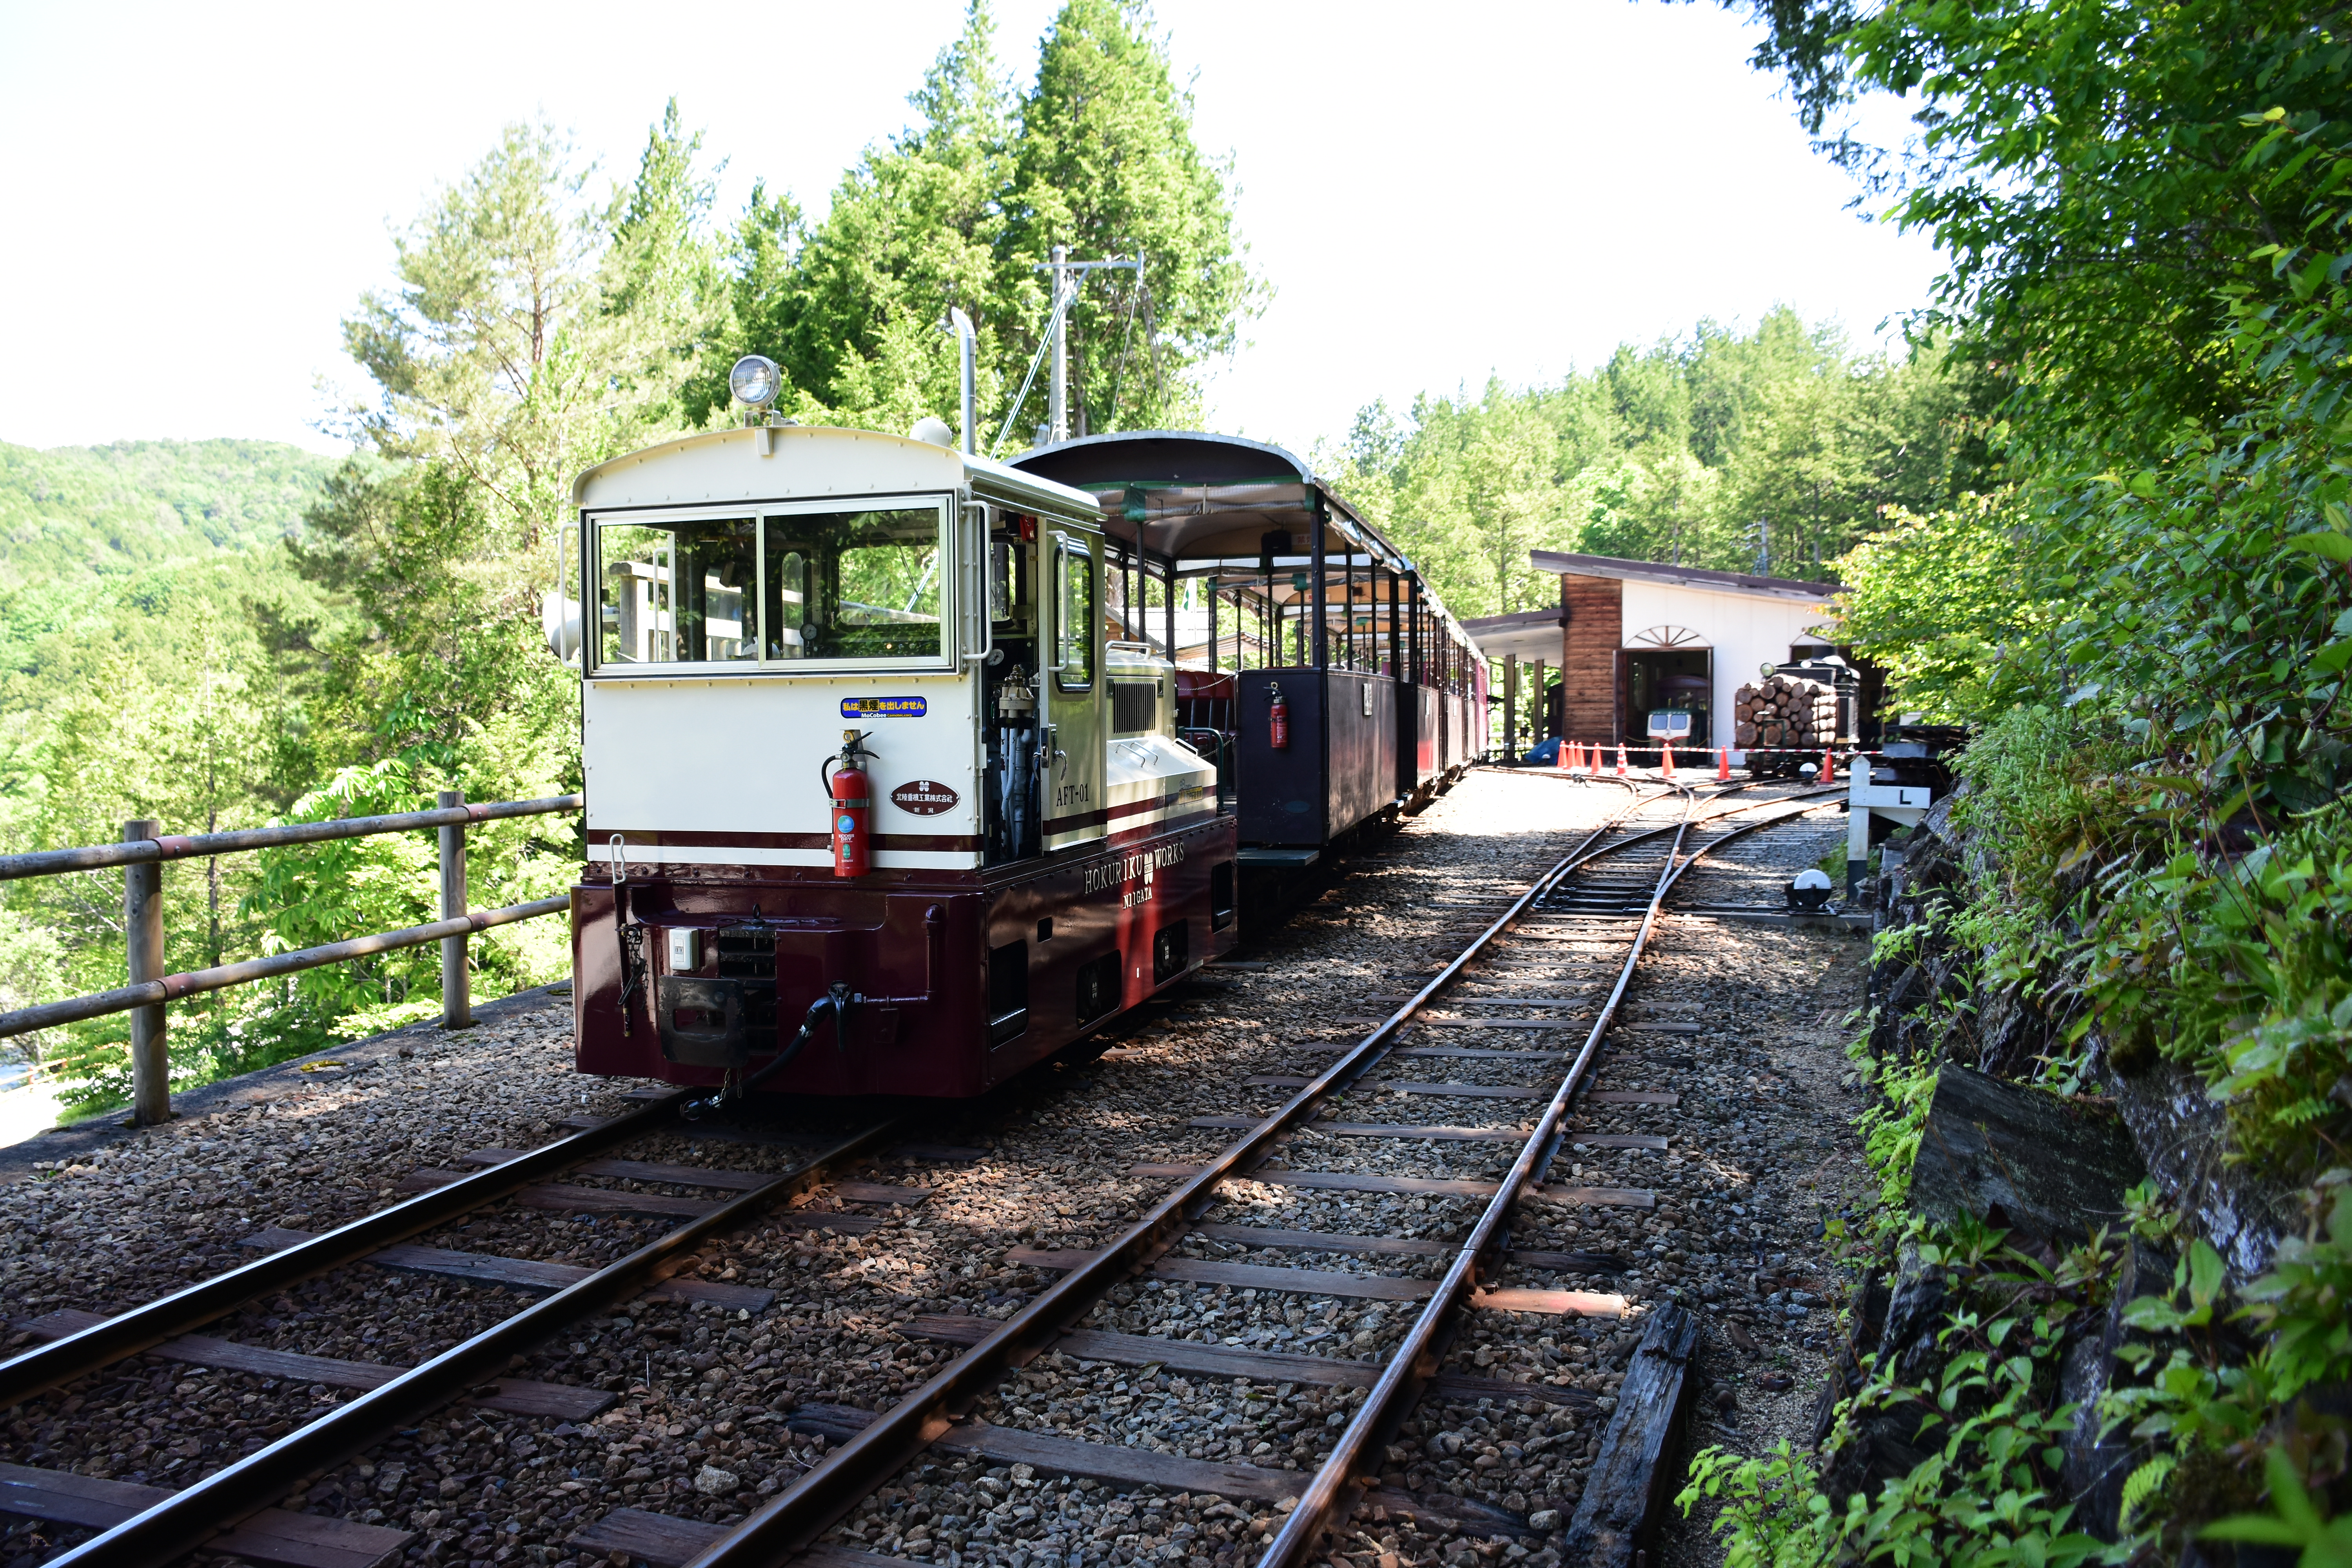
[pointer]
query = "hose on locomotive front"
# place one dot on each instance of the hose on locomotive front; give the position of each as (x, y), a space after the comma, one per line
(835, 1002)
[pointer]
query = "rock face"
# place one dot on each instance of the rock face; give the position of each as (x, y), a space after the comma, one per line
(2097, 1465)
(1925, 1002)
(2049, 1171)
(1893, 1333)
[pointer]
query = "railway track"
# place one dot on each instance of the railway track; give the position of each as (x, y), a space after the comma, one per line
(874, 1449)
(234, 1511)
(1547, 971)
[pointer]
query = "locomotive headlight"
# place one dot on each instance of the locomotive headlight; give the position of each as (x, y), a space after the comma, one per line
(755, 381)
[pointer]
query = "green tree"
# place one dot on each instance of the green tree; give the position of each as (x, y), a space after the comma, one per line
(959, 211)
(1671, 452)
(914, 230)
(439, 642)
(1105, 163)
(1657, 504)
(1955, 605)
(536, 330)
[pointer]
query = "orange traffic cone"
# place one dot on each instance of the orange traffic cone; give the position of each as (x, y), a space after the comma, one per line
(1620, 759)
(1829, 766)
(1665, 760)
(1593, 759)
(1723, 764)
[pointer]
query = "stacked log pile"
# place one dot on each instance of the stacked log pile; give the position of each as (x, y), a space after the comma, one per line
(1784, 711)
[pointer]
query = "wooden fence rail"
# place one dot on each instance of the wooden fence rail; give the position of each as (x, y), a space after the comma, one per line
(144, 850)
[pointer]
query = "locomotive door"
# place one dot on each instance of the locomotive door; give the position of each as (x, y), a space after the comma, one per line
(1074, 735)
(1012, 684)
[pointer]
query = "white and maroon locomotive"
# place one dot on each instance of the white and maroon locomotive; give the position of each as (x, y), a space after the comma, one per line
(875, 806)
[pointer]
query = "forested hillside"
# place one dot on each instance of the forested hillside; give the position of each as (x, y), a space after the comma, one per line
(1771, 450)
(141, 586)
(75, 512)
(105, 549)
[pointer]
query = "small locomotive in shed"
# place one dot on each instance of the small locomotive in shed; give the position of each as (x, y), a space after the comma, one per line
(875, 803)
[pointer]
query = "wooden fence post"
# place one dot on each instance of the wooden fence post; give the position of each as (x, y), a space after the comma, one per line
(143, 932)
(457, 986)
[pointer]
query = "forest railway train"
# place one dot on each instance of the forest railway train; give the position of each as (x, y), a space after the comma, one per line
(1301, 609)
(876, 803)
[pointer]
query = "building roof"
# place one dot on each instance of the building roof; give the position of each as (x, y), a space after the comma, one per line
(1530, 634)
(1566, 565)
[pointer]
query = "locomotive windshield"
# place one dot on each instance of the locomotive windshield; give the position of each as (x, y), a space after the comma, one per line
(855, 584)
(850, 585)
(676, 592)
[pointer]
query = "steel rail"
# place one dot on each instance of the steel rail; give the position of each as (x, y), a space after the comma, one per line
(798, 1514)
(172, 987)
(60, 1362)
(188, 1518)
(1324, 1503)
(203, 845)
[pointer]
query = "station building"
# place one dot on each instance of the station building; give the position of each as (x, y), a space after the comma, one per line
(1630, 636)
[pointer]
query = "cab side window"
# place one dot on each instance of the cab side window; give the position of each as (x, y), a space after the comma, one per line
(1074, 621)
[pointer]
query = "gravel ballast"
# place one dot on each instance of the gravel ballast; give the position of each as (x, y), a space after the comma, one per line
(698, 1429)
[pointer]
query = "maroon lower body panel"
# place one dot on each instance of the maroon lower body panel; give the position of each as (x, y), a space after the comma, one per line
(963, 982)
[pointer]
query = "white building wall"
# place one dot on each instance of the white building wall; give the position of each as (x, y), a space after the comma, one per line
(1747, 631)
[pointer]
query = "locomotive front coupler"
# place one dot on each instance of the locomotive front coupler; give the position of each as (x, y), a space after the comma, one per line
(836, 1001)
(839, 998)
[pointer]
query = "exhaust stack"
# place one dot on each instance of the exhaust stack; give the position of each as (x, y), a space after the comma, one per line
(967, 341)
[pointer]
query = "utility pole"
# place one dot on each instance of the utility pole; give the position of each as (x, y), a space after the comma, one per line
(1058, 397)
(1068, 275)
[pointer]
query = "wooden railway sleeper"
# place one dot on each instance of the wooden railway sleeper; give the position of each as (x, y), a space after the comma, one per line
(803, 1510)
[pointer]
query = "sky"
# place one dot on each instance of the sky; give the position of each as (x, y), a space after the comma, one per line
(1434, 195)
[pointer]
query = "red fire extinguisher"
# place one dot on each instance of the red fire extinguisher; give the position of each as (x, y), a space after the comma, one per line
(1277, 719)
(850, 796)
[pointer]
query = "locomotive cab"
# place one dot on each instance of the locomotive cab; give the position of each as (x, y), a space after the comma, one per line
(799, 642)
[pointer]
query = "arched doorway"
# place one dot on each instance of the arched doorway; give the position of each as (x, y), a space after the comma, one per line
(1666, 670)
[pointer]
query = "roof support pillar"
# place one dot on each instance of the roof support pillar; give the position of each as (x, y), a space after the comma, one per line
(1318, 600)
